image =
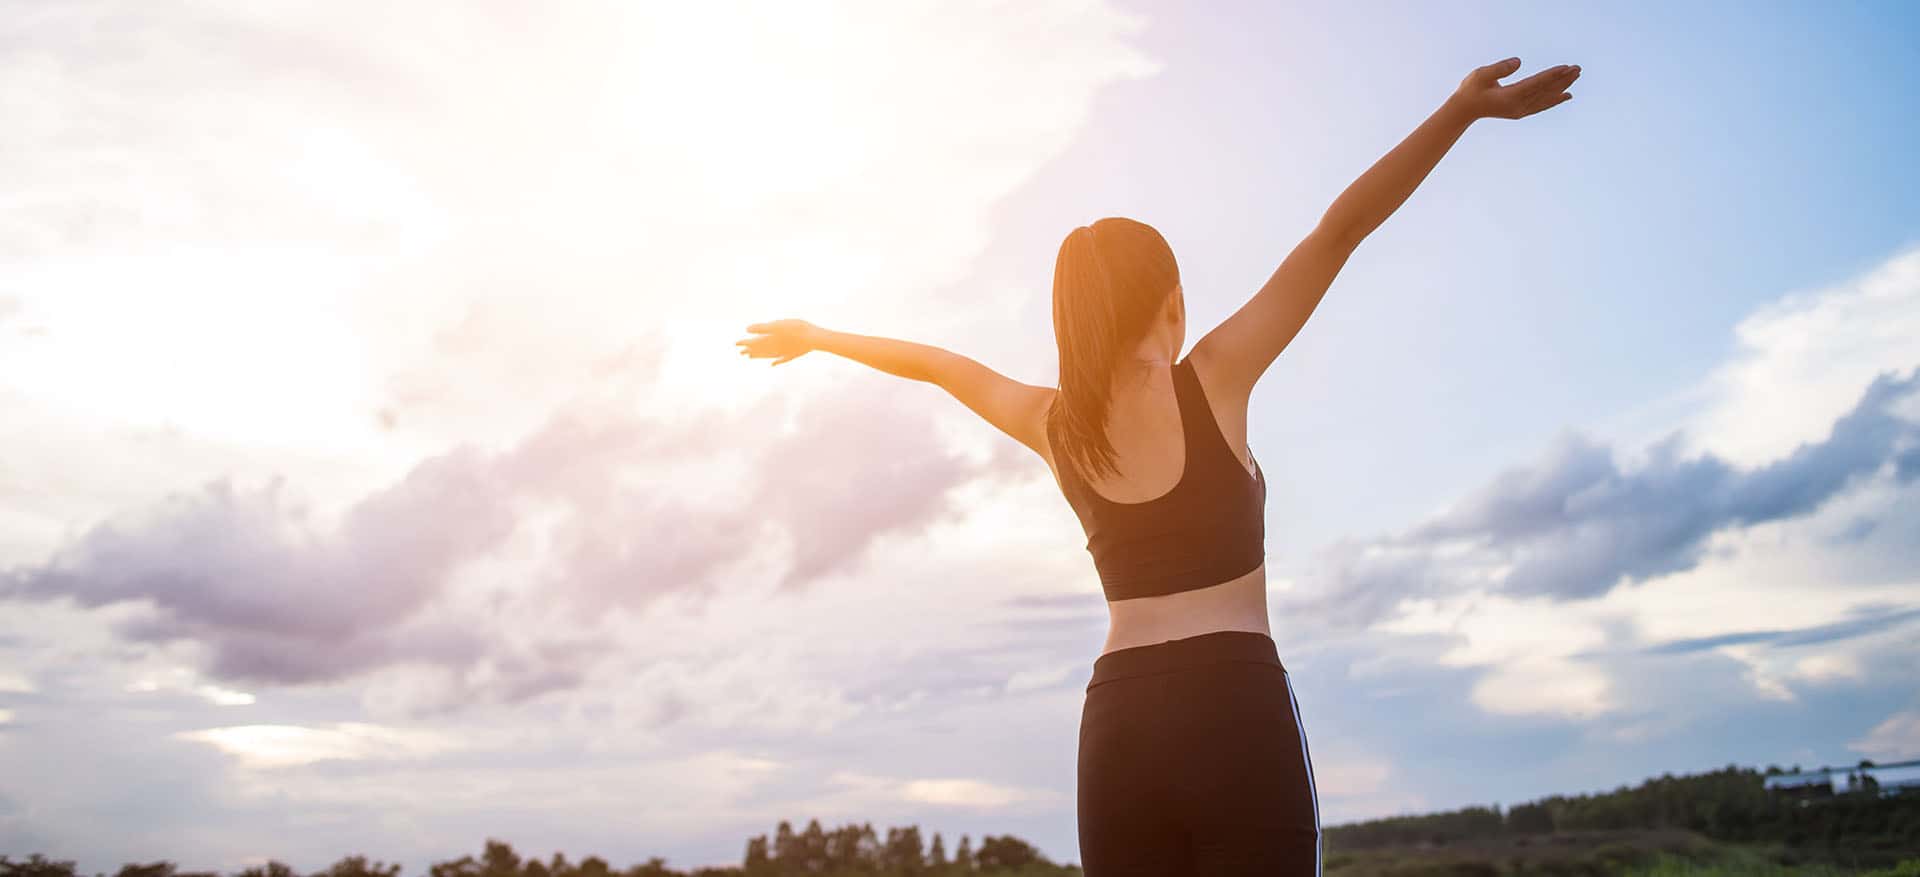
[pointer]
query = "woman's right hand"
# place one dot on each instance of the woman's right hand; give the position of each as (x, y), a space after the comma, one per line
(781, 340)
(1481, 95)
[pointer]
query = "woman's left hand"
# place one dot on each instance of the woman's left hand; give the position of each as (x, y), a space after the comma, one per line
(781, 340)
(1482, 96)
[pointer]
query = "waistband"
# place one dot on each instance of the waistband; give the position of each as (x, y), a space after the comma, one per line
(1217, 647)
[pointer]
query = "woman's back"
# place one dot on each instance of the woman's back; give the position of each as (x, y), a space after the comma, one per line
(1177, 533)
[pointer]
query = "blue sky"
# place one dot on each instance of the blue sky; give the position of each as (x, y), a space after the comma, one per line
(379, 475)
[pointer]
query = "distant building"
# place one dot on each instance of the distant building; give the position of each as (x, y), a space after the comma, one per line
(1898, 778)
(1812, 784)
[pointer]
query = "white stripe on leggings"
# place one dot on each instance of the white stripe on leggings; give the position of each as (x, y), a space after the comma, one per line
(1309, 763)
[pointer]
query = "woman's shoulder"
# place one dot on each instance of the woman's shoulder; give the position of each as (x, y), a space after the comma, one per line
(1222, 392)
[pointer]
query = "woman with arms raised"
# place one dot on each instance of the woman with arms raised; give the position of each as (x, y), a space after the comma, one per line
(1192, 756)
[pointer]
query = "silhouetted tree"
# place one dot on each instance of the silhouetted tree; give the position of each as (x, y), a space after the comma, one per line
(154, 869)
(937, 853)
(787, 854)
(843, 848)
(963, 854)
(593, 866)
(1006, 852)
(36, 865)
(903, 851)
(869, 844)
(758, 861)
(357, 866)
(499, 860)
(652, 867)
(1529, 819)
(813, 847)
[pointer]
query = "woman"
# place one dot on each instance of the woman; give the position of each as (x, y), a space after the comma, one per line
(1192, 757)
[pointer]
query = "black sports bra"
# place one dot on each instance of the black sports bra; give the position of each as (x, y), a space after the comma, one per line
(1208, 529)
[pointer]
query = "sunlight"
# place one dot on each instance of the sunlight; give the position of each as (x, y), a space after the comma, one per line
(273, 746)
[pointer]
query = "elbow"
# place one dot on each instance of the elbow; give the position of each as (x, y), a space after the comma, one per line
(938, 367)
(1340, 233)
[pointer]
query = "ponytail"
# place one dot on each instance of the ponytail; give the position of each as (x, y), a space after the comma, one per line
(1109, 281)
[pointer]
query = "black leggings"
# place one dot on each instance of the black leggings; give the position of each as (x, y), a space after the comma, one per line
(1193, 761)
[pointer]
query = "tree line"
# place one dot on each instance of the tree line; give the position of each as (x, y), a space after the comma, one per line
(858, 849)
(1731, 804)
(852, 850)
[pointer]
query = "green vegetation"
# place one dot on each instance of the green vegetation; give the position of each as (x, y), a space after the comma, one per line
(1719, 822)
(857, 850)
(1723, 823)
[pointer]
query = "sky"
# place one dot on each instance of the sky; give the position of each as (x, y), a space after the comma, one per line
(378, 474)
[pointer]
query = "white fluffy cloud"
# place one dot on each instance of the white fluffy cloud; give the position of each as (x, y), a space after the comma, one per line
(1801, 361)
(942, 791)
(1896, 738)
(1790, 556)
(270, 746)
(375, 363)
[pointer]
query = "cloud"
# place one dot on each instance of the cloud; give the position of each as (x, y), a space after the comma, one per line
(434, 225)
(1775, 432)
(1637, 596)
(183, 680)
(1866, 620)
(1896, 738)
(1576, 523)
(345, 319)
(941, 792)
(271, 746)
(1799, 361)
(1532, 652)
(624, 510)
(426, 269)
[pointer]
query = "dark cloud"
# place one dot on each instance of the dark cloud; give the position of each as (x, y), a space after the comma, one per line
(1575, 524)
(1866, 620)
(279, 597)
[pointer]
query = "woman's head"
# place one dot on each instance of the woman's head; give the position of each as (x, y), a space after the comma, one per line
(1115, 285)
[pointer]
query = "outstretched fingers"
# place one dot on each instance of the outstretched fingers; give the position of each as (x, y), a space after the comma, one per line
(1497, 69)
(1557, 100)
(774, 341)
(1544, 89)
(1563, 76)
(1550, 80)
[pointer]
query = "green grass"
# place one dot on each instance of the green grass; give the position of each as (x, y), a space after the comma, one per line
(1673, 866)
(1632, 853)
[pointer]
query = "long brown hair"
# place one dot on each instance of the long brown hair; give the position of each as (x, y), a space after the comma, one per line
(1109, 281)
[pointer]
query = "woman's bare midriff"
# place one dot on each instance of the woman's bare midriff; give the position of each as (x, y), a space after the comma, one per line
(1239, 604)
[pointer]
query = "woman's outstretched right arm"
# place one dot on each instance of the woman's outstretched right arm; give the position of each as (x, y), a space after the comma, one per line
(1017, 409)
(1238, 351)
